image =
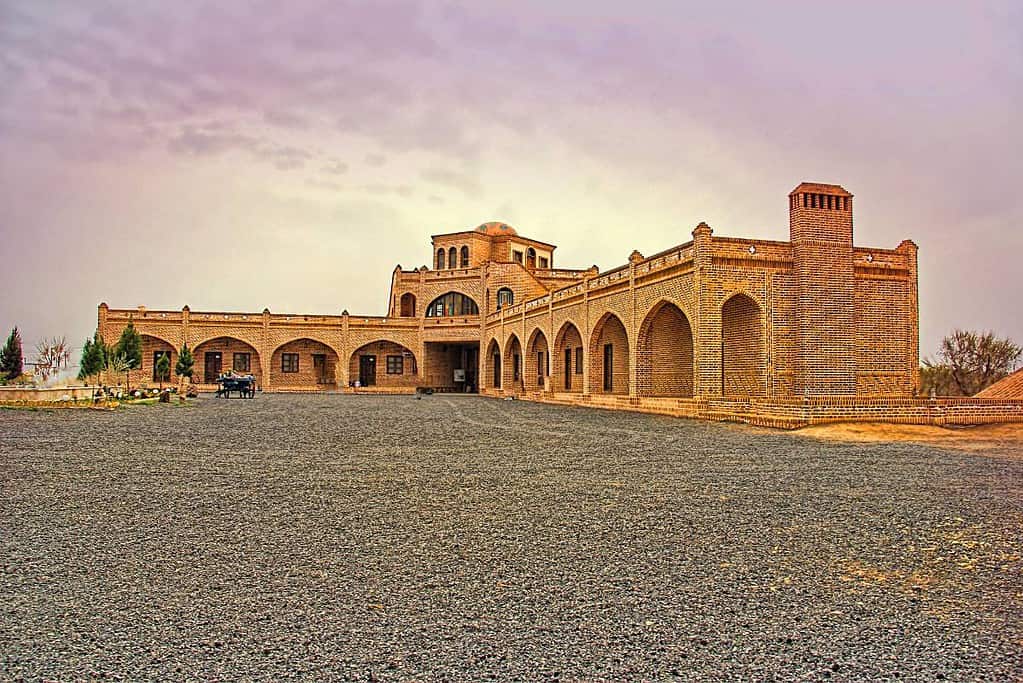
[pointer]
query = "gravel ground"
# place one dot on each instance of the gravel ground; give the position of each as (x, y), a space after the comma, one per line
(460, 538)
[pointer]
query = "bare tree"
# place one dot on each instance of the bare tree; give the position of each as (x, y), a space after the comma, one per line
(51, 357)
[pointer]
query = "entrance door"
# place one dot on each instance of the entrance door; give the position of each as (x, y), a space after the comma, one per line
(367, 370)
(497, 371)
(568, 369)
(320, 368)
(214, 365)
(609, 361)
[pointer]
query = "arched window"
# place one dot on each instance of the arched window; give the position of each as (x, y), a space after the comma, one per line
(452, 258)
(505, 297)
(531, 258)
(452, 303)
(408, 305)
(440, 259)
(465, 257)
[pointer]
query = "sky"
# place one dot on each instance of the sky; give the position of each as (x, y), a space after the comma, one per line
(242, 155)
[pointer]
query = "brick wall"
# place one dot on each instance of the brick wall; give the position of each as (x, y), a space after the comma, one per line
(568, 338)
(380, 350)
(609, 330)
(744, 361)
(308, 375)
(664, 362)
(533, 369)
(227, 347)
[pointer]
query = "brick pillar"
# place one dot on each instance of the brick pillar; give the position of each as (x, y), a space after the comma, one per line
(186, 317)
(821, 231)
(265, 352)
(346, 349)
(707, 325)
(632, 331)
(909, 248)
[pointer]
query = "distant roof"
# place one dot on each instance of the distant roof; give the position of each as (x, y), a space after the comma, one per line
(823, 188)
(1008, 387)
(496, 229)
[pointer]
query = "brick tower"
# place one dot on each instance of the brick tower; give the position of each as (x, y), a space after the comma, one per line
(821, 231)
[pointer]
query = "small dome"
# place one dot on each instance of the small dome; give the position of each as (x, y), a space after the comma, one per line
(496, 229)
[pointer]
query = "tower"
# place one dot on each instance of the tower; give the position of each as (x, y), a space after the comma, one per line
(821, 232)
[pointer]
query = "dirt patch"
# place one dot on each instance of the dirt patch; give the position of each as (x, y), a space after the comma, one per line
(999, 439)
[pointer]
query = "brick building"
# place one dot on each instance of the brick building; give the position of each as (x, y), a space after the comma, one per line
(706, 328)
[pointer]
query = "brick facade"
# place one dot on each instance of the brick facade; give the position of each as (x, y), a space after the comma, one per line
(710, 322)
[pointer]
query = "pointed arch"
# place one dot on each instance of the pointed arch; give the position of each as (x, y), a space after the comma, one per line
(452, 258)
(305, 363)
(152, 346)
(492, 359)
(743, 355)
(440, 259)
(407, 305)
(609, 356)
(665, 353)
(537, 361)
(465, 256)
(568, 359)
(512, 364)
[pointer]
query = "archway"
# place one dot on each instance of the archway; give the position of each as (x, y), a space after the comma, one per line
(609, 356)
(440, 259)
(568, 360)
(407, 305)
(537, 365)
(304, 363)
(665, 353)
(152, 348)
(512, 368)
(452, 258)
(465, 256)
(218, 355)
(383, 363)
(493, 361)
(531, 258)
(743, 362)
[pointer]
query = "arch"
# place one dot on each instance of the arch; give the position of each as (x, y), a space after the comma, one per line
(531, 257)
(567, 363)
(152, 345)
(665, 353)
(440, 259)
(743, 358)
(512, 364)
(223, 353)
(383, 363)
(465, 256)
(304, 363)
(452, 258)
(494, 373)
(537, 368)
(609, 356)
(452, 304)
(505, 298)
(407, 305)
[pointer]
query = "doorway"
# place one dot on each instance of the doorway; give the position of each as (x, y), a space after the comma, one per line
(320, 368)
(214, 363)
(367, 370)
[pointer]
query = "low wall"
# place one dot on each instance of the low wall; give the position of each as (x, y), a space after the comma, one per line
(795, 413)
(48, 395)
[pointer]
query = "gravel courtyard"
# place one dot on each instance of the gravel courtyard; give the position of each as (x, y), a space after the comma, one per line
(461, 538)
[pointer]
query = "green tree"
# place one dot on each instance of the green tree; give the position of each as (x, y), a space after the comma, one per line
(12, 362)
(968, 362)
(163, 369)
(129, 348)
(92, 360)
(183, 368)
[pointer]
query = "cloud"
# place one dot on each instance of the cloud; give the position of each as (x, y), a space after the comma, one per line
(375, 160)
(335, 167)
(469, 185)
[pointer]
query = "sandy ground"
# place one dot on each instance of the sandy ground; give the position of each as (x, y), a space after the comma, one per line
(1004, 440)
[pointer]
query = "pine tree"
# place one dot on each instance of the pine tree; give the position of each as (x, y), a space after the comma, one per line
(12, 362)
(93, 358)
(183, 368)
(129, 348)
(163, 369)
(85, 364)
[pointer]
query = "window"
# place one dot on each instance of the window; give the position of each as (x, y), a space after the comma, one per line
(531, 258)
(544, 263)
(440, 259)
(505, 297)
(579, 360)
(289, 362)
(465, 257)
(395, 365)
(242, 362)
(408, 305)
(452, 303)
(517, 256)
(452, 258)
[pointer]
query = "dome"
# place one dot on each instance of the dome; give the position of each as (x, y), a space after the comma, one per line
(496, 229)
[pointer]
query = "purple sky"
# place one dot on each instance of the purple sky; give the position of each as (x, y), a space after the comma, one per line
(242, 155)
